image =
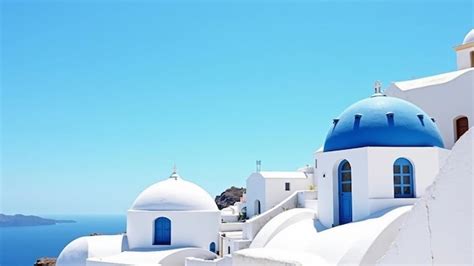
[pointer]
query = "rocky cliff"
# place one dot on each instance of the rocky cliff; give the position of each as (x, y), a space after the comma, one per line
(45, 262)
(229, 197)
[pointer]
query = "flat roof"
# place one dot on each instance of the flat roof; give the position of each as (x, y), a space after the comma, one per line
(283, 174)
(431, 80)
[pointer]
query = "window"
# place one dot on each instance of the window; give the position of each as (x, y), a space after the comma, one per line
(287, 186)
(257, 207)
(403, 179)
(346, 177)
(315, 163)
(462, 125)
(228, 250)
(212, 247)
(162, 231)
(472, 59)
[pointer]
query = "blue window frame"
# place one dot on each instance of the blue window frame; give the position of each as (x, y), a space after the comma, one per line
(212, 247)
(162, 231)
(403, 179)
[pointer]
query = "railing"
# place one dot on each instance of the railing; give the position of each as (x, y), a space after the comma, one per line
(296, 200)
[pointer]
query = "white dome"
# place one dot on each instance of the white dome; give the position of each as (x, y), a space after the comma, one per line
(75, 253)
(469, 37)
(174, 194)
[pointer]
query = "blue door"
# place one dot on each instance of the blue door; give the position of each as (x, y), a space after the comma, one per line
(212, 247)
(162, 231)
(345, 192)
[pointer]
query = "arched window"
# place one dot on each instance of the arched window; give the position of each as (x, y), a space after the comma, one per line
(257, 207)
(162, 231)
(462, 125)
(403, 179)
(212, 247)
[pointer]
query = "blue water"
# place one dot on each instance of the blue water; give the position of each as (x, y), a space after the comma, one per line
(23, 245)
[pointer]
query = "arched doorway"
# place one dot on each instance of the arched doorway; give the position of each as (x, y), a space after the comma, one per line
(345, 192)
(462, 125)
(257, 207)
(162, 231)
(403, 186)
(212, 247)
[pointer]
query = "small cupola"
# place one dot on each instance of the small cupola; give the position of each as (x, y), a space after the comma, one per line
(465, 51)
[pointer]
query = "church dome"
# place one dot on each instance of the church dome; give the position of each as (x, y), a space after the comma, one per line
(174, 194)
(382, 121)
(75, 253)
(469, 37)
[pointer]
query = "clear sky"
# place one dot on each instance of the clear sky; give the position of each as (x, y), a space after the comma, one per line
(99, 99)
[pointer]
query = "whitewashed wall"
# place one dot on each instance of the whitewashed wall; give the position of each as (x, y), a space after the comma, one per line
(372, 178)
(445, 102)
(271, 191)
(255, 191)
(275, 189)
(438, 231)
(327, 175)
(188, 228)
(463, 57)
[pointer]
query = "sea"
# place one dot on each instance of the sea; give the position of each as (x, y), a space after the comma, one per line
(23, 245)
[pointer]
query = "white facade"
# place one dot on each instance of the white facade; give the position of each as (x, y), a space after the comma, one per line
(185, 230)
(266, 189)
(372, 178)
(432, 235)
(445, 97)
(183, 203)
(465, 52)
(286, 235)
(190, 229)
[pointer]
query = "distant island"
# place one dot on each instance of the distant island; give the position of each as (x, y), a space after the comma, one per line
(27, 220)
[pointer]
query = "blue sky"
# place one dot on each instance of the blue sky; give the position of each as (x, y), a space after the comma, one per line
(99, 99)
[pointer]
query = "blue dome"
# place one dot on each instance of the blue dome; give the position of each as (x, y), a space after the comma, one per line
(382, 121)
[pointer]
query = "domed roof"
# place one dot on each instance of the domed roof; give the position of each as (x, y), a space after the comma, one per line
(382, 121)
(75, 253)
(469, 37)
(174, 194)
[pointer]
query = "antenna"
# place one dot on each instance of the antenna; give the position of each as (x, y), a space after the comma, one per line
(259, 166)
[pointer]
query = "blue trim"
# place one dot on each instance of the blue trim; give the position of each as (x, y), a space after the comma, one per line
(345, 192)
(403, 185)
(162, 231)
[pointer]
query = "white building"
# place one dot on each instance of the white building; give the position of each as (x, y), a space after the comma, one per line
(265, 189)
(381, 152)
(384, 174)
(447, 97)
(169, 221)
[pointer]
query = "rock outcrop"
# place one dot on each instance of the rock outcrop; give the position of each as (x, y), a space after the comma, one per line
(229, 197)
(45, 262)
